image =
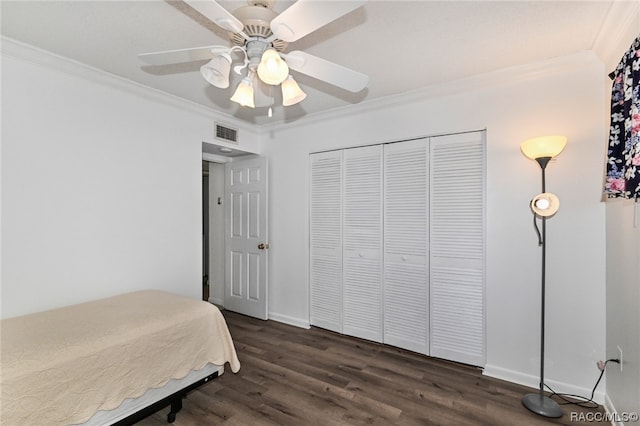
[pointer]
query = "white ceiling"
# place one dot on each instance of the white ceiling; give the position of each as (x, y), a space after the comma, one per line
(401, 45)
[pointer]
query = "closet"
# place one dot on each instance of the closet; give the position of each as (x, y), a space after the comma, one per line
(397, 244)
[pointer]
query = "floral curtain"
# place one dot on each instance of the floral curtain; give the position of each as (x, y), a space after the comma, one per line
(623, 162)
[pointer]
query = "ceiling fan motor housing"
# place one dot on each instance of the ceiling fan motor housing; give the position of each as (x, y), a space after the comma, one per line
(255, 49)
(262, 3)
(256, 19)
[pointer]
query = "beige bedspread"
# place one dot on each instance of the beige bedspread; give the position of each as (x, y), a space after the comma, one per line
(61, 366)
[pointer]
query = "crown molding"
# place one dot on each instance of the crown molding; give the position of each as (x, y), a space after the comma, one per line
(535, 70)
(505, 76)
(15, 49)
(620, 27)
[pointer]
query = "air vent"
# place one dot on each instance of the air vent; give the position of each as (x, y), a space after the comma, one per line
(226, 134)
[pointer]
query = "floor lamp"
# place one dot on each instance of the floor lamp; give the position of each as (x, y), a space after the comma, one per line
(544, 205)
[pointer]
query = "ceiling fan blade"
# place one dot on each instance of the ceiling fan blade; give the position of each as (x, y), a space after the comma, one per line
(306, 16)
(217, 14)
(322, 69)
(181, 55)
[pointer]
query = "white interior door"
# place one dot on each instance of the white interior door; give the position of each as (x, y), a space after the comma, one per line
(246, 244)
(457, 248)
(362, 243)
(406, 241)
(326, 240)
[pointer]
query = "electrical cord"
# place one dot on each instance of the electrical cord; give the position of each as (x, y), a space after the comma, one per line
(583, 401)
(535, 224)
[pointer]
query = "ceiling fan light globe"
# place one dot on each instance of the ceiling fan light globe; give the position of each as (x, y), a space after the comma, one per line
(291, 92)
(244, 94)
(216, 71)
(272, 68)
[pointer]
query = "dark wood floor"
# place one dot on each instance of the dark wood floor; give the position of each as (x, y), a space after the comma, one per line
(292, 376)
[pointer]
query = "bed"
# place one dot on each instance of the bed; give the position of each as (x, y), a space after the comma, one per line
(110, 361)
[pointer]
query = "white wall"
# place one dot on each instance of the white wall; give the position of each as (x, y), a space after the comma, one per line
(623, 262)
(623, 305)
(562, 96)
(101, 185)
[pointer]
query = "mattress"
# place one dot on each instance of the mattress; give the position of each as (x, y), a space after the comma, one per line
(61, 366)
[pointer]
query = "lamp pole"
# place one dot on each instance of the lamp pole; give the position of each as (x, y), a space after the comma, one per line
(543, 161)
(538, 403)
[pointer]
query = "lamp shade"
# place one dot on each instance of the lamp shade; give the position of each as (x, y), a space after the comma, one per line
(543, 146)
(216, 71)
(545, 204)
(291, 92)
(244, 93)
(272, 68)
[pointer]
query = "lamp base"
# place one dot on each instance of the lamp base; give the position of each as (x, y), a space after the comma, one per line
(542, 405)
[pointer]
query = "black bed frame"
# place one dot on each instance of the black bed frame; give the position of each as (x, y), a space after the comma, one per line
(174, 400)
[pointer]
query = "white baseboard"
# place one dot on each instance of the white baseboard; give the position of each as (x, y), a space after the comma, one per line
(608, 405)
(534, 382)
(297, 322)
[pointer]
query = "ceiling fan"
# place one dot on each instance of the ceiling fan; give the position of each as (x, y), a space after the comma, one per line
(261, 35)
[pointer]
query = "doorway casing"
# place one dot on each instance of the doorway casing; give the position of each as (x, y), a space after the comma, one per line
(217, 156)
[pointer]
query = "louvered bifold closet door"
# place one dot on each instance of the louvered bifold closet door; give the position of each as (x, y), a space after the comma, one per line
(362, 250)
(405, 245)
(457, 248)
(326, 240)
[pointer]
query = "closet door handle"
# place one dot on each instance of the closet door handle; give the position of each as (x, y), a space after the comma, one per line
(263, 246)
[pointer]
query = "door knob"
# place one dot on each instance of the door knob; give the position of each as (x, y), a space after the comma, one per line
(263, 246)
